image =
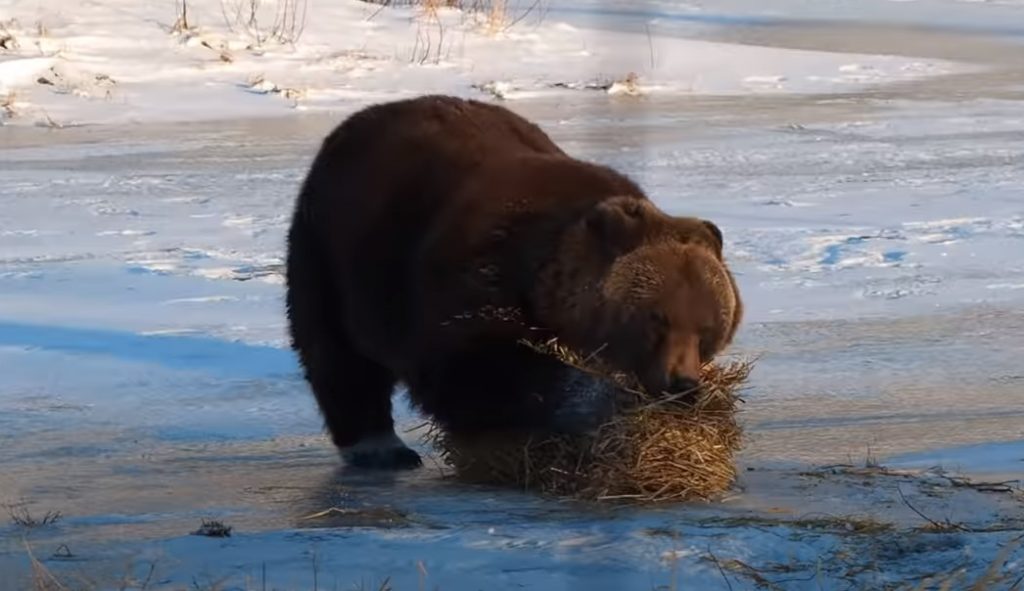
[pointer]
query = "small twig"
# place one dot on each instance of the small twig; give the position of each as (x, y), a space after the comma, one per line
(815, 575)
(721, 570)
(937, 525)
(523, 15)
(1003, 486)
(44, 578)
(650, 43)
(328, 511)
(149, 576)
(383, 5)
(752, 573)
(834, 466)
(596, 352)
(422, 568)
(440, 466)
(417, 426)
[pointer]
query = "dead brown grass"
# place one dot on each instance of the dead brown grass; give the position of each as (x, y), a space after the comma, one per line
(1000, 574)
(994, 577)
(8, 42)
(653, 450)
(7, 102)
(42, 578)
(496, 15)
(21, 517)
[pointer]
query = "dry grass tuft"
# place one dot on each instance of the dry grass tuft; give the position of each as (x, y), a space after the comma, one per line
(8, 42)
(494, 16)
(279, 22)
(213, 529)
(21, 517)
(181, 22)
(653, 450)
(223, 52)
(42, 578)
(260, 85)
(7, 102)
(629, 86)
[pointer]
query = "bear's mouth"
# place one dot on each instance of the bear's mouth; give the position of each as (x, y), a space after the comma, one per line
(678, 387)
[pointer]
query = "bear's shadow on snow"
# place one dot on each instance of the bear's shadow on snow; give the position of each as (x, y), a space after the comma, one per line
(349, 497)
(176, 352)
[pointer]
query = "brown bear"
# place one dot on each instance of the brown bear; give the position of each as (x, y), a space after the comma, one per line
(433, 235)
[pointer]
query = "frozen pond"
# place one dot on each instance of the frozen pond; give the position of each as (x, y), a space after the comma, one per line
(877, 238)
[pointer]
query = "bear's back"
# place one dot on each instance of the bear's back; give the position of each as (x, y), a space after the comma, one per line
(438, 129)
(405, 196)
(391, 167)
(379, 184)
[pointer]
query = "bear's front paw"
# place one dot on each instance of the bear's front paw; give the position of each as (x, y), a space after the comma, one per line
(586, 402)
(384, 459)
(381, 453)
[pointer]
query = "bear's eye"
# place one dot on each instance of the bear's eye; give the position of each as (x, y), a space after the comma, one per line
(659, 319)
(657, 331)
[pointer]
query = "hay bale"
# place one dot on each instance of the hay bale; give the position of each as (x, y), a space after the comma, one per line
(652, 450)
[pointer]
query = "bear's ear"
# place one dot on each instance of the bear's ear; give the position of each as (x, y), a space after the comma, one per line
(616, 223)
(716, 233)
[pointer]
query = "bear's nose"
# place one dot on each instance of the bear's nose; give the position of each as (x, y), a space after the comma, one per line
(683, 384)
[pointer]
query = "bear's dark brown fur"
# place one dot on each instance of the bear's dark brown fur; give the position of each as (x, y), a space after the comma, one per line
(432, 234)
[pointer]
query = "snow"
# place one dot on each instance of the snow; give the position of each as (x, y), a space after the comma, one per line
(868, 186)
(122, 61)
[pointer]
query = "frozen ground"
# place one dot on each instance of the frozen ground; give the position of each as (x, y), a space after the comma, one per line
(874, 219)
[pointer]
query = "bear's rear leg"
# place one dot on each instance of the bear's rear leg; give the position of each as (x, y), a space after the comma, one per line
(354, 396)
(352, 392)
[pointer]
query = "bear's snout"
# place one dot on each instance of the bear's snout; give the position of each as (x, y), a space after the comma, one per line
(683, 384)
(671, 384)
(676, 366)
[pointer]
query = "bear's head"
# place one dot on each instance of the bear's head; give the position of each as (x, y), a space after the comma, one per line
(647, 292)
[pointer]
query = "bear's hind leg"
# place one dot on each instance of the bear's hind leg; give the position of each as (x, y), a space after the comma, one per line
(354, 396)
(352, 392)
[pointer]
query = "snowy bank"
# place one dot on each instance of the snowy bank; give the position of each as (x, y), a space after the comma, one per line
(124, 61)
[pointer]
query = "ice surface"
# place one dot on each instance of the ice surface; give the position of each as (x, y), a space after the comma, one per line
(876, 232)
